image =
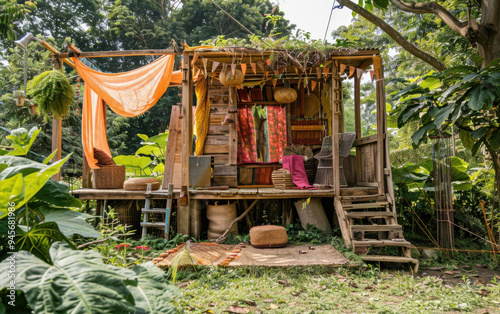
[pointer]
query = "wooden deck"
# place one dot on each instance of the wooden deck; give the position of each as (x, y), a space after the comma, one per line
(232, 193)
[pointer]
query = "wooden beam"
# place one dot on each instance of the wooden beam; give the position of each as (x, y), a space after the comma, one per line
(56, 52)
(357, 123)
(119, 53)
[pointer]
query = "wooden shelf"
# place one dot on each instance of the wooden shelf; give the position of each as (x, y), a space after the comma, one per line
(314, 127)
(260, 102)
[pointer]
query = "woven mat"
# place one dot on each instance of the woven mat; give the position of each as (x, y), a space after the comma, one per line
(324, 254)
(200, 254)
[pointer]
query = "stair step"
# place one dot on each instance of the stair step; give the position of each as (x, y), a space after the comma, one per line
(154, 210)
(376, 228)
(374, 197)
(381, 243)
(379, 214)
(387, 258)
(350, 206)
(160, 225)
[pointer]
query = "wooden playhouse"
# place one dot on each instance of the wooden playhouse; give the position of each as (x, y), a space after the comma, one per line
(247, 131)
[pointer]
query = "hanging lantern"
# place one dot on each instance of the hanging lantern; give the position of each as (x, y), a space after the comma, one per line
(227, 78)
(33, 108)
(285, 95)
(19, 97)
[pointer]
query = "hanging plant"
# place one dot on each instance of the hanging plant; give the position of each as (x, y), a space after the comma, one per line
(52, 92)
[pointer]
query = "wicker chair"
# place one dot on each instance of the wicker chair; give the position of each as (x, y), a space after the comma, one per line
(324, 173)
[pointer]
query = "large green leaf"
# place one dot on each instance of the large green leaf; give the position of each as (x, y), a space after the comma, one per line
(495, 139)
(38, 239)
(442, 115)
(467, 139)
(70, 222)
(474, 102)
(35, 181)
(57, 194)
(11, 193)
(160, 139)
(17, 165)
(431, 83)
(78, 282)
(149, 150)
(21, 140)
(152, 293)
(381, 4)
(134, 162)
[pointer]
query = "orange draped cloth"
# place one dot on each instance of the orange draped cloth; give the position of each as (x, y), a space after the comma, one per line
(129, 94)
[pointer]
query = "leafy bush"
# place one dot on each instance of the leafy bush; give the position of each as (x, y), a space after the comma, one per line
(79, 282)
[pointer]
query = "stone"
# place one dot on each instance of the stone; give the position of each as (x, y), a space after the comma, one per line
(429, 254)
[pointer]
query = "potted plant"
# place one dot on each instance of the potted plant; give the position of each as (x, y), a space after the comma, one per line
(52, 92)
(19, 97)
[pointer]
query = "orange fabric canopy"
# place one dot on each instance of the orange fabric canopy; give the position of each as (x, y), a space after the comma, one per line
(129, 94)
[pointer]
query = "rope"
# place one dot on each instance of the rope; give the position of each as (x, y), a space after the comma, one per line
(242, 26)
(202, 115)
(329, 19)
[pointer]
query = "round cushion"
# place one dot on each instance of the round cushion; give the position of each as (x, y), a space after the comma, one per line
(141, 184)
(268, 236)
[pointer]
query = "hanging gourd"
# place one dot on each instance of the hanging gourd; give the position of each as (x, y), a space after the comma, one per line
(52, 92)
(285, 95)
(227, 78)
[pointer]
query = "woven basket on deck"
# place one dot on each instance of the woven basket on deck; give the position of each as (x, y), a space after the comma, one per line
(108, 177)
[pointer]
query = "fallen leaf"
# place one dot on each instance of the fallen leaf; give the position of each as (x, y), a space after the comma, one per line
(369, 288)
(483, 292)
(283, 282)
(237, 309)
(267, 308)
(208, 312)
(295, 294)
(292, 304)
(281, 301)
(274, 306)
(322, 287)
(250, 302)
(353, 284)
(212, 304)
(449, 272)
(268, 300)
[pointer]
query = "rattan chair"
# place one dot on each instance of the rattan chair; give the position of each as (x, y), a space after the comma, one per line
(324, 173)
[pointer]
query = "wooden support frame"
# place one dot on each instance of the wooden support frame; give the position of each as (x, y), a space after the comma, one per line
(116, 53)
(357, 123)
(381, 124)
(184, 211)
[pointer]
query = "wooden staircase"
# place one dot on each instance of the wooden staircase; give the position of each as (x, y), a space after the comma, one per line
(371, 221)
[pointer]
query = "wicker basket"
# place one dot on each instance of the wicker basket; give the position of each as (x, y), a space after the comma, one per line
(108, 177)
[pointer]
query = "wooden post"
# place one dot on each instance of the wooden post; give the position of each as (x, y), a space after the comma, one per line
(344, 227)
(336, 116)
(357, 124)
(381, 119)
(184, 219)
(86, 173)
(56, 144)
(196, 218)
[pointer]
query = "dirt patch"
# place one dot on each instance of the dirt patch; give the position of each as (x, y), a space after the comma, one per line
(478, 274)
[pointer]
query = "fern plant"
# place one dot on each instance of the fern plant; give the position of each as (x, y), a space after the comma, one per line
(52, 92)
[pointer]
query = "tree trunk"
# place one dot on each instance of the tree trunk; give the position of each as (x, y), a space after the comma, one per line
(490, 48)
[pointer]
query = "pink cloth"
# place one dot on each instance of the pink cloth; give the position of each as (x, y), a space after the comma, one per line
(295, 164)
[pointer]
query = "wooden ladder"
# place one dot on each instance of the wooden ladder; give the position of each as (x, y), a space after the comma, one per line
(372, 222)
(147, 210)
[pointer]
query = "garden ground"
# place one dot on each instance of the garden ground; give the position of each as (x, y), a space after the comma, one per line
(468, 288)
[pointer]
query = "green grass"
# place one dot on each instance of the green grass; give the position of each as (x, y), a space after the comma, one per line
(329, 290)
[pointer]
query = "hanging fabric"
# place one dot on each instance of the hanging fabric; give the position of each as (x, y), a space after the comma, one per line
(129, 94)
(202, 114)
